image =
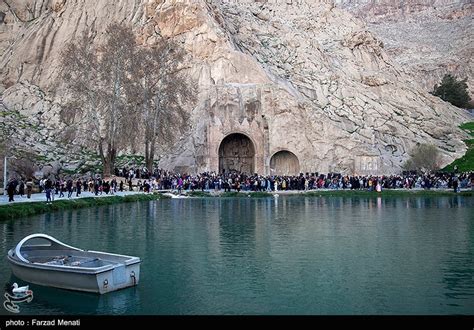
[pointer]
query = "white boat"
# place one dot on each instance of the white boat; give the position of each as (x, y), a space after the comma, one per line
(43, 260)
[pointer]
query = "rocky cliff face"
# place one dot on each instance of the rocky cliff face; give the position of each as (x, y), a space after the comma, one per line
(304, 78)
(428, 38)
(32, 40)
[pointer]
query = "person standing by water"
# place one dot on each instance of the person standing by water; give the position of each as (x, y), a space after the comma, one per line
(378, 187)
(21, 188)
(61, 188)
(48, 186)
(455, 183)
(113, 186)
(69, 188)
(96, 187)
(11, 187)
(29, 187)
(78, 187)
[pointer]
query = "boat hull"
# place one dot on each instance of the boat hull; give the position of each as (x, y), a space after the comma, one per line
(101, 282)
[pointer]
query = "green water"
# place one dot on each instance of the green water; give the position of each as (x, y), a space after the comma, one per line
(287, 255)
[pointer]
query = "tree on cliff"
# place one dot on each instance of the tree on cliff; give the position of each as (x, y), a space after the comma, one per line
(120, 89)
(453, 91)
(96, 79)
(161, 94)
(116, 64)
(81, 78)
(423, 158)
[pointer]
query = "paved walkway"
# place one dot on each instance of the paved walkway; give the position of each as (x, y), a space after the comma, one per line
(41, 197)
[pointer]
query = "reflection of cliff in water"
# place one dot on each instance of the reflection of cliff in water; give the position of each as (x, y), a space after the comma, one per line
(237, 226)
(458, 270)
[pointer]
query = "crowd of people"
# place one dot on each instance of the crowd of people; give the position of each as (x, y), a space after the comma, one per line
(52, 186)
(167, 180)
(140, 179)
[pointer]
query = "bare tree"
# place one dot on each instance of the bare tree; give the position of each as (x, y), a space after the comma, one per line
(96, 79)
(80, 72)
(162, 92)
(117, 61)
(424, 158)
(24, 164)
(120, 88)
(11, 127)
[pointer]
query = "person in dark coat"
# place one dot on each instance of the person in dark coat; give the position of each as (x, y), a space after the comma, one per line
(78, 187)
(69, 188)
(29, 187)
(48, 185)
(455, 184)
(21, 188)
(11, 187)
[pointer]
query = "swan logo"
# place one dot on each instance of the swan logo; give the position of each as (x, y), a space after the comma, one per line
(15, 295)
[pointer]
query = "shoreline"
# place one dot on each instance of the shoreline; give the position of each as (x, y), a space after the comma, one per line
(28, 207)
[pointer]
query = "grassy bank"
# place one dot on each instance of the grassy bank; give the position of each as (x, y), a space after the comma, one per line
(466, 162)
(18, 210)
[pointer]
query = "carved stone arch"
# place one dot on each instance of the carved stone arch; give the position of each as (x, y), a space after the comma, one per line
(284, 162)
(237, 153)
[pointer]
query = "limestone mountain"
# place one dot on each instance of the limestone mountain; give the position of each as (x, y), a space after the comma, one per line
(284, 86)
(428, 38)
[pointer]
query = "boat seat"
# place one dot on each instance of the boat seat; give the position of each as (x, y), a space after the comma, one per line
(80, 263)
(59, 260)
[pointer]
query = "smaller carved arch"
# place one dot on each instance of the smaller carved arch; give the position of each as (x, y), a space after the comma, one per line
(284, 162)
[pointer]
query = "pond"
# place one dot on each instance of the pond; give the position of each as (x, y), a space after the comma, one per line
(288, 255)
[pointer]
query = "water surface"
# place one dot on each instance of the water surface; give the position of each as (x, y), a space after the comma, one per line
(287, 255)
